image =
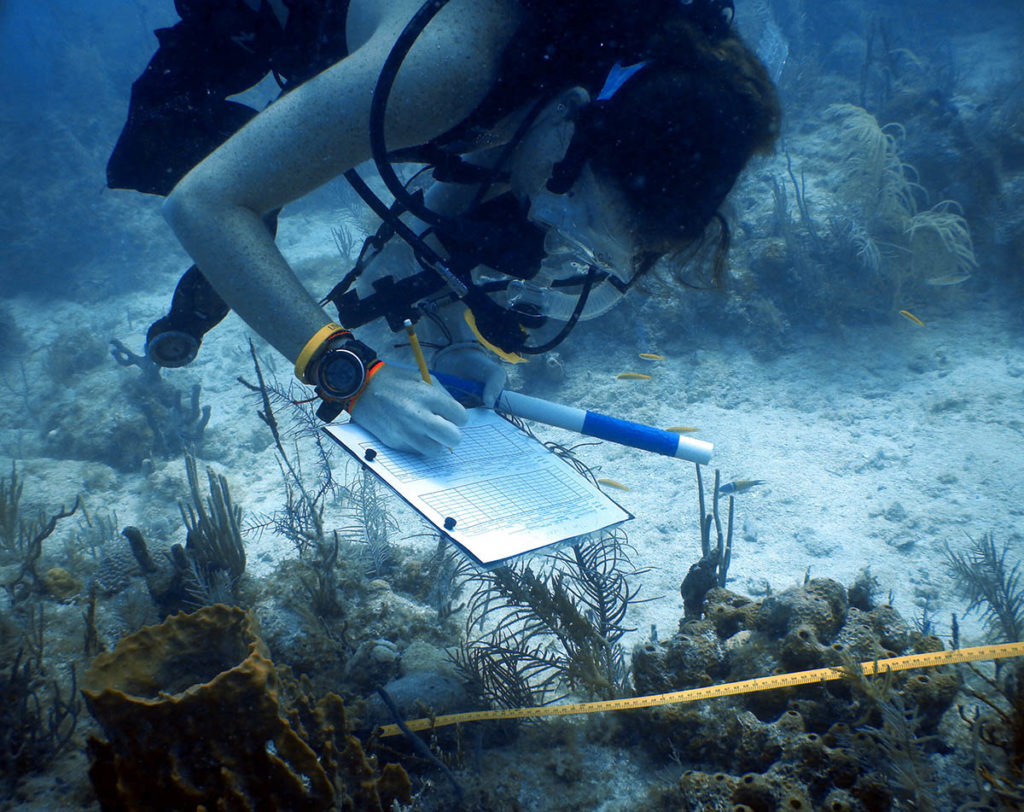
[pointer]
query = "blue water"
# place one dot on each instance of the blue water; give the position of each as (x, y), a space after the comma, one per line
(881, 442)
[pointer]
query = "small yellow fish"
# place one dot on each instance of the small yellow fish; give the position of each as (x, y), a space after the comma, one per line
(946, 281)
(611, 483)
(652, 356)
(682, 429)
(632, 376)
(911, 317)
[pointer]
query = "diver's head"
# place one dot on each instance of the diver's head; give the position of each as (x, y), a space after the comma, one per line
(666, 136)
(678, 132)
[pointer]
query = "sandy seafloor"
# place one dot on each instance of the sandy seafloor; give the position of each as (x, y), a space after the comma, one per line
(879, 442)
(878, 445)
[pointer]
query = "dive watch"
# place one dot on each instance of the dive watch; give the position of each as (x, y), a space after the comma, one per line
(340, 372)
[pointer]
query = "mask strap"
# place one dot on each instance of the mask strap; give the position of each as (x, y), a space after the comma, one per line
(567, 171)
(617, 77)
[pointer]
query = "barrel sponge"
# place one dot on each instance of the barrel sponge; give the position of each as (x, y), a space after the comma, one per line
(691, 657)
(701, 790)
(931, 693)
(770, 793)
(800, 649)
(194, 714)
(893, 632)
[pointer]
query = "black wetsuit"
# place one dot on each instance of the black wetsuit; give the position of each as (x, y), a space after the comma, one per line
(180, 111)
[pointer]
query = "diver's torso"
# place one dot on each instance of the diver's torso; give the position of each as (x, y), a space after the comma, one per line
(557, 45)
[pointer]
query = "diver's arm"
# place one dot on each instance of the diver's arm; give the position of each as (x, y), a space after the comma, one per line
(315, 133)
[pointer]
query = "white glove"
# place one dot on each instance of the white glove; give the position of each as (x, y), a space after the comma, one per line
(472, 362)
(406, 414)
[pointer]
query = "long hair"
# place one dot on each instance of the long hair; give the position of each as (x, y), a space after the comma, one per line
(679, 132)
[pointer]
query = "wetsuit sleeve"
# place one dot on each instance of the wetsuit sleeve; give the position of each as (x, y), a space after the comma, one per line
(179, 111)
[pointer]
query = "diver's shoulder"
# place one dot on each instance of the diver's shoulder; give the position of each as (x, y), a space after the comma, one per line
(389, 9)
(456, 40)
(479, 17)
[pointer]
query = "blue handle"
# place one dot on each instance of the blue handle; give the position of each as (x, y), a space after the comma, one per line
(468, 393)
(635, 435)
(593, 424)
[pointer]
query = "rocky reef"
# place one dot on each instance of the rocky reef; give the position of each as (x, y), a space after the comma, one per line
(194, 711)
(855, 744)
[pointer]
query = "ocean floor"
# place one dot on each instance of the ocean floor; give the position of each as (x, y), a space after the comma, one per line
(878, 445)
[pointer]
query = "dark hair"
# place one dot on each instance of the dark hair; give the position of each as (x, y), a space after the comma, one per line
(677, 134)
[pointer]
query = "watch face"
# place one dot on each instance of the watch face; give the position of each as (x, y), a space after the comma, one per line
(341, 373)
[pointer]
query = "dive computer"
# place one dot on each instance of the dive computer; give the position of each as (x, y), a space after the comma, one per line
(340, 370)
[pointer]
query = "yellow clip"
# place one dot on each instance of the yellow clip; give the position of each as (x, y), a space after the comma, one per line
(511, 357)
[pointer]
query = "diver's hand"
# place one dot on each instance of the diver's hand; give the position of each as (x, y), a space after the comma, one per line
(404, 413)
(473, 363)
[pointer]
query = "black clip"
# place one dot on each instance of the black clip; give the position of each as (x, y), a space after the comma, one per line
(329, 409)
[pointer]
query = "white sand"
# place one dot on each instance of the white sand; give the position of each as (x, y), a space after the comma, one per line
(878, 445)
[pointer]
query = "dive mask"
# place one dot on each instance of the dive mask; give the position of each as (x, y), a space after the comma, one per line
(588, 250)
(588, 225)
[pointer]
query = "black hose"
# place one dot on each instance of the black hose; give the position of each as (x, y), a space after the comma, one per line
(418, 744)
(378, 107)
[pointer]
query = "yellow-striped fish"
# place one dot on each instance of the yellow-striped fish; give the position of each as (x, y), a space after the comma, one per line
(682, 429)
(632, 376)
(652, 356)
(946, 281)
(911, 317)
(611, 483)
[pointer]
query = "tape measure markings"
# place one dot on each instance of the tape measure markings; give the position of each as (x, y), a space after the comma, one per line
(748, 686)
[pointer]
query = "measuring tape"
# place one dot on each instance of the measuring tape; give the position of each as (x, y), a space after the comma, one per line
(747, 686)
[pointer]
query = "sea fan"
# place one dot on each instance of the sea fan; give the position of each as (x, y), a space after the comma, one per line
(557, 626)
(983, 576)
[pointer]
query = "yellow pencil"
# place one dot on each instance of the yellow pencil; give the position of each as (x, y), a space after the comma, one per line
(417, 350)
(421, 362)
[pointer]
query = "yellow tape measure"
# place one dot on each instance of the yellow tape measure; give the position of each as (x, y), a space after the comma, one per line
(747, 686)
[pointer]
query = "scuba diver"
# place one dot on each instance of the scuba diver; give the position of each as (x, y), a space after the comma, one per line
(563, 147)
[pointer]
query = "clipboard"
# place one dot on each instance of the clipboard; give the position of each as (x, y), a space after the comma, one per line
(498, 494)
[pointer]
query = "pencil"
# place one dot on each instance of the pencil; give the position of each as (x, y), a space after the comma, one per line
(417, 350)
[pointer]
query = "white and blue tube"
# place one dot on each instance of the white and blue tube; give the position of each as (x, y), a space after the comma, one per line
(583, 421)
